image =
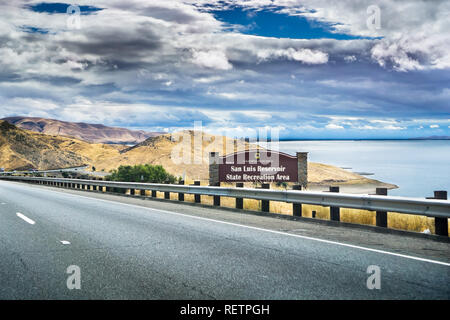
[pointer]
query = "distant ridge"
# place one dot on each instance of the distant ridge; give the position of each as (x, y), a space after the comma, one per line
(96, 133)
(432, 138)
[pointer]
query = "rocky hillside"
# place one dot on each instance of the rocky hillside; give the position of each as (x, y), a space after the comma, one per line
(96, 133)
(23, 149)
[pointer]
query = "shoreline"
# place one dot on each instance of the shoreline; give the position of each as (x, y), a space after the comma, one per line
(366, 187)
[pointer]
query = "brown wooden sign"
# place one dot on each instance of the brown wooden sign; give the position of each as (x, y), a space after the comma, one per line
(258, 166)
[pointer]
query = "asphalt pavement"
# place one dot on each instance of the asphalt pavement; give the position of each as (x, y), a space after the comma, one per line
(134, 249)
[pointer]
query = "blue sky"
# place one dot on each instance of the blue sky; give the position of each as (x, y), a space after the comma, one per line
(310, 69)
(57, 7)
(270, 23)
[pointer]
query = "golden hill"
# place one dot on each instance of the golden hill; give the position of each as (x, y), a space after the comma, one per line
(166, 149)
(160, 150)
(23, 149)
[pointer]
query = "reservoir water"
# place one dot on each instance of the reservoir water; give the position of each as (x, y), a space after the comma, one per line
(418, 167)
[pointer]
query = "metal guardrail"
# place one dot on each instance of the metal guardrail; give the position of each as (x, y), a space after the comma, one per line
(71, 169)
(417, 206)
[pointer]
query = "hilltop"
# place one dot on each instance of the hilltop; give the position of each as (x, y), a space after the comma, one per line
(96, 133)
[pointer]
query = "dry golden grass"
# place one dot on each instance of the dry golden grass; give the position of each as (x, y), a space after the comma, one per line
(395, 220)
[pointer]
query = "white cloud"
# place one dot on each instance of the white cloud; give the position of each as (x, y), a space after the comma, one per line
(392, 127)
(307, 56)
(333, 126)
(163, 53)
(214, 59)
(349, 59)
(434, 126)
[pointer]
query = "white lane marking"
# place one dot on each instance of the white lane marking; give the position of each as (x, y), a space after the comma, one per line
(64, 242)
(311, 238)
(26, 219)
(267, 230)
(3, 203)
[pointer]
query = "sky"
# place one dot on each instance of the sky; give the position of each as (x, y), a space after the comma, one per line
(310, 69)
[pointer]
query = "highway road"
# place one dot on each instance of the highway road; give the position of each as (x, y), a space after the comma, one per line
(128, 248)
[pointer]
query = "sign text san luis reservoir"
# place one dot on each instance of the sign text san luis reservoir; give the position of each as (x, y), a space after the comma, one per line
(258, 173)
(258, 166)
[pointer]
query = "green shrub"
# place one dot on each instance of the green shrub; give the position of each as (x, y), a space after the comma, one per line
(141, 173)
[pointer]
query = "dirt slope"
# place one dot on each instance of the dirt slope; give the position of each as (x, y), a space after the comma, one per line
(23, 149)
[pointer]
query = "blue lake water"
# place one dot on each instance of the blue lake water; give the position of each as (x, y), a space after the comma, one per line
(418, 167)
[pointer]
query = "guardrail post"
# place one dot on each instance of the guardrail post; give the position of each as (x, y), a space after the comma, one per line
(239, 201)
(216, 199)
(181, 195)
(142, 193)
(197, 197)
(441, 224)
(297, 207)
(120, 190)
(335, 212)
(132, 192)
(167, 195)
(381, 216)
(265, 204)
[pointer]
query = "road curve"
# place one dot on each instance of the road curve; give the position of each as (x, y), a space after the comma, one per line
(134, 252)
